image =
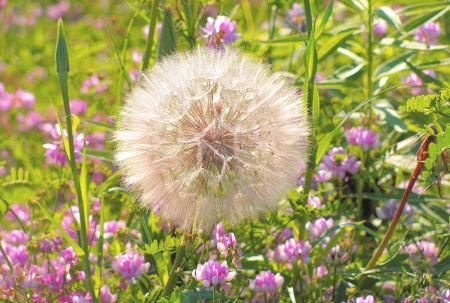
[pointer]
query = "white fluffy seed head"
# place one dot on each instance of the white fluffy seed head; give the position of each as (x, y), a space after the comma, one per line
(211, 135)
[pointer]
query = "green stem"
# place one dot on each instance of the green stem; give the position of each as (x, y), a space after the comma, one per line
(8, 207)
(151, 34)
(308, 15)
(369, 27)
(5, 256)
(63, 81)
(173, 273)
(214, 294)
(310, 99)
(396, 218)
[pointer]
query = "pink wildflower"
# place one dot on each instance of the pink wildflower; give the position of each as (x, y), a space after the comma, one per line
(130, 266)
(428, 33)
(220, 31)
(363, 137)
(214, 273)
(106, 296)
(266, 285)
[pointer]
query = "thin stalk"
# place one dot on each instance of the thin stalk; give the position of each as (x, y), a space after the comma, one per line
(308, 16)
(63, 80)
(173, 273)
(334, 283)
(8, 207)
(5, 256)
(214, 294)
(369, 27)
(62, 69)
(151, 34)
(310, 99)
(396, 218)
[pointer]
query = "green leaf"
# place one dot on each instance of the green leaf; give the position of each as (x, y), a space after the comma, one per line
(283, 40)
(429, 164)
(442, 266)
(432, 151)
(420, 103)
(411, 45)
(168, 41)
(78, 250)
(390, 115)
(392, 66)
(429, 13)
(391, 17)
(447, 136)
(426, 78)
(84, 185)
(324, 20)
(356, 6)
(331, 44)
(310, 56)
(63, 136)
(105, 154)
(325, 143)
(161, 265)
(114, 248)
(62, 55)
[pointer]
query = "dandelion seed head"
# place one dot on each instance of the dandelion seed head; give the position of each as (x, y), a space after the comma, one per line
(212, 134)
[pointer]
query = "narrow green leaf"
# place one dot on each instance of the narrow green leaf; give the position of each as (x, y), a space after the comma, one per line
(62, 55)
(13, 174)
(99, 264)
(411, 45)
(331, 44)
(324, 144)
(391, 17)
(447, 136)
(432, 151)
(63, 136)
(168, 41)
(428, 164)
(439, 144)
(84, 184)
(78, 250)
(424, 17)
(310, 56)
(426, 78)
(105, 155)
(316, 104)
(354, 5)
(392, 66)
(324, 20)
(161, 265)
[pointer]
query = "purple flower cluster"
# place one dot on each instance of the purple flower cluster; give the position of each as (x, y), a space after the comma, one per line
(19, 99)
(55, 151)
(319, 227)
(130, 266)
(333, 166)
(220, 31)
(380, 28)
(360, 136)
(422, 255)
(368, 299)
(389, 209)
(414, 81)
(213, 273)
(266, 286)
(428, 33)
(44, 269)
(93, 85)
(291, 251)
(296, 18)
